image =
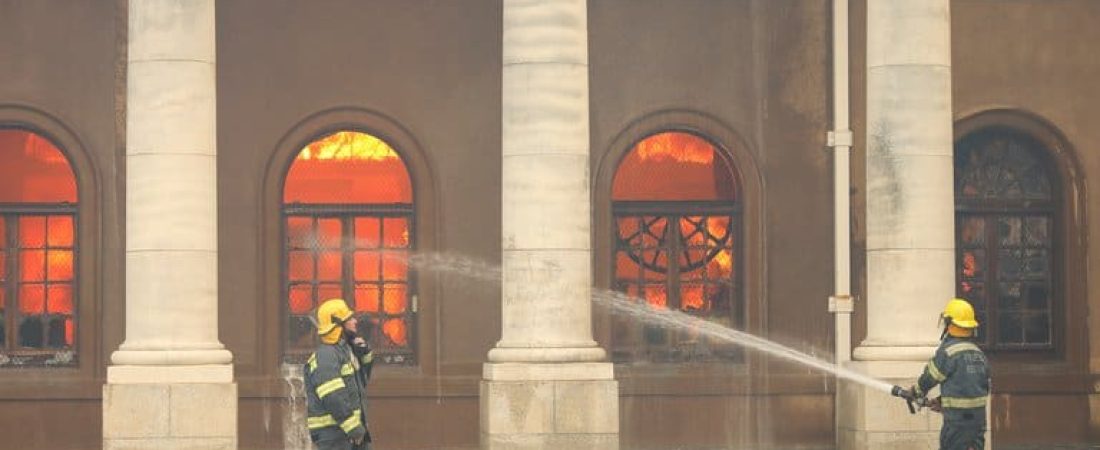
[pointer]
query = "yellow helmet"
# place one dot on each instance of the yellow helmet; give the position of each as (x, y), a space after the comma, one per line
(959, 313)
(330, 316)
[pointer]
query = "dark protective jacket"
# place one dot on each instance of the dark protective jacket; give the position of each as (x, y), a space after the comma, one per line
(336, 393)
(961, 369)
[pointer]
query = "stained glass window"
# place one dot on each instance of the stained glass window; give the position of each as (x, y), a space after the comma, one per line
(1006, 210)
(348, 210)
(677, 224)
(37, 252)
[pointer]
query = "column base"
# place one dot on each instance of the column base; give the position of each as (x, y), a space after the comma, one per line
(170, 407)
(869, 419)
(1094, 413)
(547, 355)
(536, 406)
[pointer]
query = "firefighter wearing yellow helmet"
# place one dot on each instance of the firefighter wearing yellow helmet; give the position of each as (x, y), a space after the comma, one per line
(336, 378)
(960, 369)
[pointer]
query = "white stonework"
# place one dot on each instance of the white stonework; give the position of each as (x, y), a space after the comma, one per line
(910, 219)
(910, 209)
(552, 405)
(171, 385)
(544, 385)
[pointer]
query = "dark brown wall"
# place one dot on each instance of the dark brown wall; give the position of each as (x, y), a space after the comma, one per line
(58, 62)
(752, 75)
(426, 76)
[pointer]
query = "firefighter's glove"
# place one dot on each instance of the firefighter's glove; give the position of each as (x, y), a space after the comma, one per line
(360, 347)
(936, 405)
(357, 435)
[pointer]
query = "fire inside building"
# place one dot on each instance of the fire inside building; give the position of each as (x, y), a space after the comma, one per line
(184, 182)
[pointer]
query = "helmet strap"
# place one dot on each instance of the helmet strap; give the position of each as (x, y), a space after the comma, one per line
(946, 326)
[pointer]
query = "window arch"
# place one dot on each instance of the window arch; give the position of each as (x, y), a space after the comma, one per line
(348, 231)
(1008, 203)
(676, 216)
(38, 211)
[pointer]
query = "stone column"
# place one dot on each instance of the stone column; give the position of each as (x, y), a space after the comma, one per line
(910, 217)
(545, 385)
(171, 383)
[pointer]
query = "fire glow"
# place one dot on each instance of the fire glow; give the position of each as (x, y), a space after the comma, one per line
(346, 146)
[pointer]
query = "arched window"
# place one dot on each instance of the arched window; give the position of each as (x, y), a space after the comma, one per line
(676, 218)
(38, 199)
(1007, 210)
(349, 221)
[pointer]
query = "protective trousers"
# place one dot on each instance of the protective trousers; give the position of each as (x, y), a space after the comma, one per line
(340, 444)
(962, 436)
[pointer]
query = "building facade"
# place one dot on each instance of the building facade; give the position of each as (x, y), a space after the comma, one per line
(183, 182)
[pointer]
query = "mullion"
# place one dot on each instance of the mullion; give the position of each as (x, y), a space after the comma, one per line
(675, 303)
(11, 282)
(641, 250)
(992, 276)
(347, 254)
(16, 281)
(45, 318)
(314, 258)
(379, 302)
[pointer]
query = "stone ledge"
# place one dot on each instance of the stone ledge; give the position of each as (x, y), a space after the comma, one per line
(220, 373)
(550, 441)
(548, 371)
(171, 444)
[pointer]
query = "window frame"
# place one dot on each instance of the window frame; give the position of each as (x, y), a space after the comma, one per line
(673, 212)
(45, 360)
(1041, 148)
(98, 289)
(277, 349)
(738, 310)
(349, 212)
(11, 213)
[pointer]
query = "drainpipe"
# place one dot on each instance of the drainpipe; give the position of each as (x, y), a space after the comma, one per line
(840, 139)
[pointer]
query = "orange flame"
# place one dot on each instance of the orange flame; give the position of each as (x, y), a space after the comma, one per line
(678, 147)
(970, 265)
(348, 145)
(692, 297)
(395, 330)
(718, 226)
(725, 262)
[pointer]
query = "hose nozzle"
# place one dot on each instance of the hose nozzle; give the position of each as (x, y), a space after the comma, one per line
(909, 396)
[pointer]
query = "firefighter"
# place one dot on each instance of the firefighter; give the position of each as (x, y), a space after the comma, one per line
(336, 378)
(961, 370)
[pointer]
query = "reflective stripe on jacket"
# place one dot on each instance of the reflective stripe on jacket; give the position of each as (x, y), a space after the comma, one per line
(336, 392)
(961, 370)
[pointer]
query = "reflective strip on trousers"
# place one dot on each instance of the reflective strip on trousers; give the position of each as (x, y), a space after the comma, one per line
(964, 402)
(352, 422)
